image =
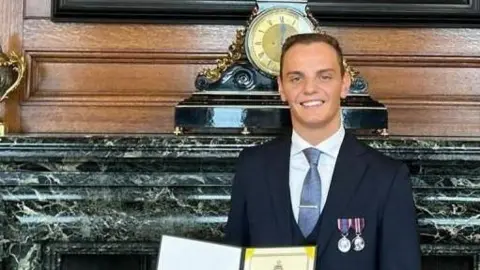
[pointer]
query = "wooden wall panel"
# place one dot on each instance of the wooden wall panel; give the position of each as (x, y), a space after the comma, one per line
(10, 24)
(126, 78)
(408, 41)
(107, 92)
(37, 9)
(54, 118)
(46, 35)
(42, 33)
(412, 82)
(446, 120)
(114, 78)
(116, 74)
(447, 104)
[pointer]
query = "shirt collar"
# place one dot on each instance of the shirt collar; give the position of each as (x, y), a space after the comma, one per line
(330, 146)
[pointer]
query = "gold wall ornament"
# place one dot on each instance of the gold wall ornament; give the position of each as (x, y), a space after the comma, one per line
(9, 63)
(12, 70)
(352, 72)
(235, 52)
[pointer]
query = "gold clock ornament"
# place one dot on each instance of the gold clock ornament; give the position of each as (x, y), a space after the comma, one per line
(268, 30)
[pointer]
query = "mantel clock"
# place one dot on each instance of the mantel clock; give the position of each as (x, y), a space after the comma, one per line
(275, 22)
(240, 94)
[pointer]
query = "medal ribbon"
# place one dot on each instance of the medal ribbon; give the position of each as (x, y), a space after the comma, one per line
(359, 225)
(344, 224)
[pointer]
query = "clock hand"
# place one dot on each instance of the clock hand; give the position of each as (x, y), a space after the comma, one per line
(282, 32)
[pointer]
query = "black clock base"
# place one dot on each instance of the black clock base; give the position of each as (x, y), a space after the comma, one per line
(266, 114)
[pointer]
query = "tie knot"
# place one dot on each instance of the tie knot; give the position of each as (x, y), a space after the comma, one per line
(312, 155)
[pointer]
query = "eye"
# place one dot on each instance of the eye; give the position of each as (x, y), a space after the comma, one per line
(326, 77)
(294, 79)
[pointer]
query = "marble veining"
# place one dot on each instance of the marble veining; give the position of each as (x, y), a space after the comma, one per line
(141, 179)
(114, 194)
(167, 145)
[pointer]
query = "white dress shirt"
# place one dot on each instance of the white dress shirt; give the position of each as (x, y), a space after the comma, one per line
(299, 165)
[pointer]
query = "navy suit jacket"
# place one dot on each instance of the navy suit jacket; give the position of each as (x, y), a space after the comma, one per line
(365, 184)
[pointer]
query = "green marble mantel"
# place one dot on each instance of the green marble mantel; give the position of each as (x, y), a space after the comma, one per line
(71, 195)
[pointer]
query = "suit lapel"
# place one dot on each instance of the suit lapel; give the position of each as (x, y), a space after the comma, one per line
(347, 174)
(278, 182)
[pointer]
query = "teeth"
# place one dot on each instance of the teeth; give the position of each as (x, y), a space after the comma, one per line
(312, 103)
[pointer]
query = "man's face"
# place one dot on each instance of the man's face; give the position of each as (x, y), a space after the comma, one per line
(312, 85)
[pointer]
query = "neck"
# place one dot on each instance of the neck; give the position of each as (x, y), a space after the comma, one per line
(316, 135)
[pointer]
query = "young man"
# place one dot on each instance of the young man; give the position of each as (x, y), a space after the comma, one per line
(320, 186)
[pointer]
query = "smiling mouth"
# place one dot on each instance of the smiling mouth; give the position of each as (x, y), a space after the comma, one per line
(312, 103)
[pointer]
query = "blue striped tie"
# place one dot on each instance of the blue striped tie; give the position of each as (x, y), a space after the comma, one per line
(311, 194)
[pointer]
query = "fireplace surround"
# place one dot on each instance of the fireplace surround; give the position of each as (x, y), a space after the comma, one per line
(102, 202)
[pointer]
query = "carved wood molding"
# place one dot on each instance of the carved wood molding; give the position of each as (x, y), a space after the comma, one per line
(79, 65)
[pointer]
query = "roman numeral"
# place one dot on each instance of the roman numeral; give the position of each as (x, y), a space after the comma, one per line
(282, 19)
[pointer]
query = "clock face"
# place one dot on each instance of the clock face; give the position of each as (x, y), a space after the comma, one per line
(268, 32)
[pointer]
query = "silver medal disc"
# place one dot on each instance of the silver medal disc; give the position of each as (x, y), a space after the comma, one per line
(358, 243)
(344, 245)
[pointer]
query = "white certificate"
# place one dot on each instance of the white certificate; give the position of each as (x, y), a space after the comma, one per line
(178, 253)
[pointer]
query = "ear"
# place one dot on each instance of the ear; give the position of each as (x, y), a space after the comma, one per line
(346, 82)
(280, 89)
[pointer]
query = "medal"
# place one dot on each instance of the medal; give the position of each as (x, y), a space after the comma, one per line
(344, 244)
(344, 225)
(358, 242)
